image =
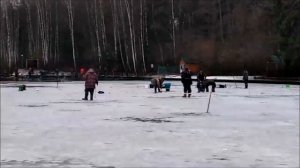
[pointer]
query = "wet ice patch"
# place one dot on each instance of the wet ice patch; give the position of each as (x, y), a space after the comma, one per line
(67, 163)
(259, 96)
(216, 157)
(85, 101)
(152, 120)
(192, 114)
(69, 110)
(34, 105)
(28, 86)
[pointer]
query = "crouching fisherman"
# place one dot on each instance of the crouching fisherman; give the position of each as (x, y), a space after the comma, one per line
(91, 79)
(157, 83)
(209, 82)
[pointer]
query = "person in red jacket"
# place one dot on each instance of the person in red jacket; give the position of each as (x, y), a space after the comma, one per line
(91, 79)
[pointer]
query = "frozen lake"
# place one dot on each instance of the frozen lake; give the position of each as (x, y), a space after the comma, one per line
(130, 126)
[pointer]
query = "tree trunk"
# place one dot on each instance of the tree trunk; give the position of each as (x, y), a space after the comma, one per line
(131, 35)
(97, 34)
(141, 35)
(221, 20)
(146, 22)
(56, 48)
(114, 28)
(8, 37)
(31, 47)
(173, 31)
(70, 14)
(91, 30)
(103, 26)
(156, 38)
(118, 35)
(125, 36)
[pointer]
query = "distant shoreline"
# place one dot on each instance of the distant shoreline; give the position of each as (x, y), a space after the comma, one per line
(263, 80)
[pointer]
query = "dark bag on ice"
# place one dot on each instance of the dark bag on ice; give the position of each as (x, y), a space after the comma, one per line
(222, 86)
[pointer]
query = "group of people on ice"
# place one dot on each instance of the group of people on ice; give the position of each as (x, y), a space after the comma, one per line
(202, 83)
(186, 79)
(91, 80)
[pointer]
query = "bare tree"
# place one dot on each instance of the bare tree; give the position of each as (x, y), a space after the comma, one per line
(125, 35)
(91, 28)
(221, 20)
(142, 35)
(9, 48)
(70, 16)
(117, 15)
(97, 33)
(146, 22)
(103, 29)
(156, 37)
(131, 35)
(133, 32)
(173, 30)
(31, 43)
(56, 41)
(113, 4)
(44, 26)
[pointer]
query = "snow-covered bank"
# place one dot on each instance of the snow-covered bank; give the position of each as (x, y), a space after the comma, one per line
(130, 126)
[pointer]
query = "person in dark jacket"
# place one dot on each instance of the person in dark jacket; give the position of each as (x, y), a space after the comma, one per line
(157, 83)
(16, 74)
(209, 82)
(91, 79)
(30, 72)
(245, 78)
(186, 79)
(200, 81)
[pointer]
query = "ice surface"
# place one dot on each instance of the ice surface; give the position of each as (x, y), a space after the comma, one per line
(130, 126)
(213, 77)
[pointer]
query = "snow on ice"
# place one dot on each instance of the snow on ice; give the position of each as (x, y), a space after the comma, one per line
(130, 126)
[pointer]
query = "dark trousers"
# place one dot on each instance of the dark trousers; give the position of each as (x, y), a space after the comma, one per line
(246, 84)
(213, 86)
(156, 87)
(200, 86)
(187, 88)
(87, 90)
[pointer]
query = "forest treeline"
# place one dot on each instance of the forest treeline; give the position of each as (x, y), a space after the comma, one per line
(222, 36)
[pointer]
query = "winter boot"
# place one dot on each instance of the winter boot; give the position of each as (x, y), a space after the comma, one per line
(189, 95)
(184, 95)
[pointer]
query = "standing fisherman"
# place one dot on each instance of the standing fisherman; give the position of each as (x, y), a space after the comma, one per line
(186, 79)
(16, 74)
(30, 72)
(91, 79)
(200, 81)
(245, 78)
